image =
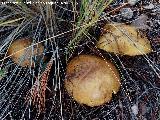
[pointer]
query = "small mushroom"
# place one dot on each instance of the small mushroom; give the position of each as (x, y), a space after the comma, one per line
(21, 53)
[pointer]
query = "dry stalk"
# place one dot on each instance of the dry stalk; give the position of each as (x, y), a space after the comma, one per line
(37, 92)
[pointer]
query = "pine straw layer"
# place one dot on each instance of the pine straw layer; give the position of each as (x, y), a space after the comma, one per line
(140, 86)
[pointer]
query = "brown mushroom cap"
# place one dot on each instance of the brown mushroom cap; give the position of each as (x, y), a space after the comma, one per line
(22, 56)
(91, 80)
(124, 40)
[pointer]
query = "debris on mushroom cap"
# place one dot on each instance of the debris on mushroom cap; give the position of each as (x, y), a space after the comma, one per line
(124, 40)
(21, 53)
(91, 80)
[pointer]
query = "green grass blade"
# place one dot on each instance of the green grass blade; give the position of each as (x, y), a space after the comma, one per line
(3, 23)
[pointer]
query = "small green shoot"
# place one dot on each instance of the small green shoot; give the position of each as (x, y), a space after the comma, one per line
(2, 73)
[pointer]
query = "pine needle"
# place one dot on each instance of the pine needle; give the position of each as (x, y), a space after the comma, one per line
(3, 23)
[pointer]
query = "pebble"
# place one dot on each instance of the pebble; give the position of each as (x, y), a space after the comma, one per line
(141, 22)
(132, 2)
(134, 109)
(156, 8)
(149, 7)
(126, 13)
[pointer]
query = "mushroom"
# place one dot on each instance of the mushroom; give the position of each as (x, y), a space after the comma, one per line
(124, 40)
(21, 53)
(91, 80)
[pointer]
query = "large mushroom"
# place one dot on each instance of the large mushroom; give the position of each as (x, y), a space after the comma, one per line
(91, 80)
